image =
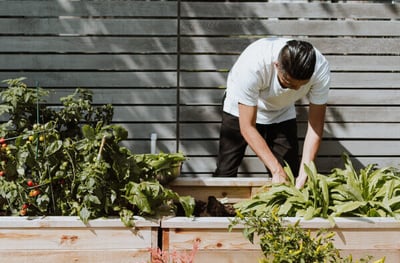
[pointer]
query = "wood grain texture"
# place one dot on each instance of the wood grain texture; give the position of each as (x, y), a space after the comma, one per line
(68, 239)
(357, 236)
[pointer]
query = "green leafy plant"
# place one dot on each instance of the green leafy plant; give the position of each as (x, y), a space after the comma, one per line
(151, 198)
(281, 242)
(164, 167)
(371, 192)
(71, 162)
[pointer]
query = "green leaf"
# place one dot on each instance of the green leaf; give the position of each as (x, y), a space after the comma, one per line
(285, 208)
(188, 204)
(84, 215)
(126, 217)
(323, 185)
(88, 132)
(93, 199)
(53, 148)
(347, 207)
(289, 173)
(309, 214)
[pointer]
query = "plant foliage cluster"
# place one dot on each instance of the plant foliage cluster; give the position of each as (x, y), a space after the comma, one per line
(370, 192)
(69, 161)
(282, 242)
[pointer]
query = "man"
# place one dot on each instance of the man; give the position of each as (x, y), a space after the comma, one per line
(259, 107)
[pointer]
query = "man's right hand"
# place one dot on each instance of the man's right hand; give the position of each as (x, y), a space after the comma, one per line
(279, 178)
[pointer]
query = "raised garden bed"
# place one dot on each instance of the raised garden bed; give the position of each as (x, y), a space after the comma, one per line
(378, 237)
(68, 239)
(231, 190)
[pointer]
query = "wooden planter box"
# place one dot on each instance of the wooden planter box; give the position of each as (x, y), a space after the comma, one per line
(360, 237)
(68, 239)
(232, 190)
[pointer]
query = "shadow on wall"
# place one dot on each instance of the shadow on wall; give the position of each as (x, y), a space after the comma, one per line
(205, 47)
(129, 54)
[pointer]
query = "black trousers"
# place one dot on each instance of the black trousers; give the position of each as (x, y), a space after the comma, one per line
(280, 137)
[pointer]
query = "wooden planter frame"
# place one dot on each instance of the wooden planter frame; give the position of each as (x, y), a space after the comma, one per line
(68, 239)
(231, 190)
(377, 237)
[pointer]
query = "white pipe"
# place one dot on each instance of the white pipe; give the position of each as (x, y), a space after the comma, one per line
(153, 140)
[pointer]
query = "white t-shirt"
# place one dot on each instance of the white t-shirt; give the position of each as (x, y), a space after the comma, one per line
(253, 81)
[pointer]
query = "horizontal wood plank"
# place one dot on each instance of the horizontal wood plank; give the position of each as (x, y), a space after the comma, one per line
(220, 182)
(204, 166)
(326, 44)
(344, 223)
(225, 194)
(194, 131)
(119, 97)
(144, 146)
(67, 256)
(378, 96)
(289, 27)
(291, 10)
(337, 63)
(88, 8)
(327, 148)
(91, 239)
(238, 256)
(145, 113)
(71, 222)
(338, 79)
(143, 131)
(44, 234)
(180, 234)
(88, 26)
(68, 239)
(188, 79)
(339, 114)
(87, 44)
(60, 79)
(93, 62)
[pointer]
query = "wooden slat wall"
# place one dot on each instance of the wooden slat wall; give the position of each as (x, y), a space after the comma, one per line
(125, 51)
(163, 65)
(361, 41)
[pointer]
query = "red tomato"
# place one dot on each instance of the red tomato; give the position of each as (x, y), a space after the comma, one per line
(2, 140)
(34, 193)
(1, 173)
(30, 183)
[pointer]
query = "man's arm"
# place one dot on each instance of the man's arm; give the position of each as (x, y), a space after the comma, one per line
(315, 129)
(247, 122)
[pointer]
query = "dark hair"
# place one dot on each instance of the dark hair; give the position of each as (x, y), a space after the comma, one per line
(297, 58)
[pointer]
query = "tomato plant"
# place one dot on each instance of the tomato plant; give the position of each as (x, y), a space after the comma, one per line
(69, 161)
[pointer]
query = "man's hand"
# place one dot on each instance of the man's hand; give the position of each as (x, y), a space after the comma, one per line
(302, 178)
(279, 179)
(300, 182)
(279, 176)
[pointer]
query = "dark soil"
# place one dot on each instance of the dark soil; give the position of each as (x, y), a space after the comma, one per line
(211, 208)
